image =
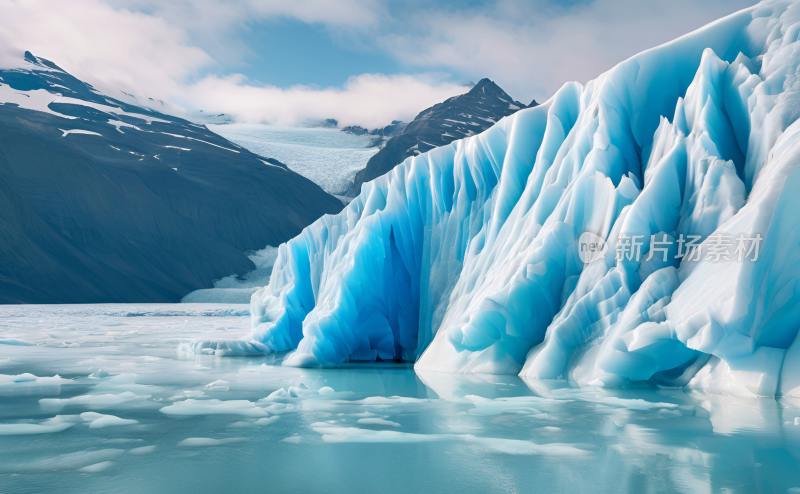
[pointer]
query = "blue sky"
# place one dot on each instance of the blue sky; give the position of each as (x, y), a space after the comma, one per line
(363, 62)
(288, 52)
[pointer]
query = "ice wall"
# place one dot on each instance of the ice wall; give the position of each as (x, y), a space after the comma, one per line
(467, 258)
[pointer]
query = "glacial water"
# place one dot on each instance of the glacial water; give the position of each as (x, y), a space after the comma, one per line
(131, 412)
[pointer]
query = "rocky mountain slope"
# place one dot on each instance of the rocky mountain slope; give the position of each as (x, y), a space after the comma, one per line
(455, 118)
(104, 201)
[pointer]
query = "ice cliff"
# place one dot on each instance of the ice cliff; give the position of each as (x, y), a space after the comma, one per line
(468, 258)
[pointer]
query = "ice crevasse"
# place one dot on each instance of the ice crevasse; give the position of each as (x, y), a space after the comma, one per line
(467, 259)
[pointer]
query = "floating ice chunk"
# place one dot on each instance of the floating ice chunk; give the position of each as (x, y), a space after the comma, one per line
(498, 445)
(256, 423)
(301, 391)
(28, 384)
(218, 385)
(96, 401)
(292, 440)
(51, 425)
(207, 441)
(16, 342)
(143, 450)
(99, 374)
(97, 467)
(377, 421)
(126, 382)
(633, 404)
(99, 421)
(69, 461)
(519, 405)
(214, 407)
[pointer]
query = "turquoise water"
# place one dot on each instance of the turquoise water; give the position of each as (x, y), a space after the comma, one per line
(187, 423)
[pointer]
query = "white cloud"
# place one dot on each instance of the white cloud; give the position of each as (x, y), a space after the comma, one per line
(370, 100)
(116, 49)
(145, 54)
(166, 50)
(532, 48)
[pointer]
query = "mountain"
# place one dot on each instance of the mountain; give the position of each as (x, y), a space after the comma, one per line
(392, 129)
(641, 230)
(104, 201)
(455, 118)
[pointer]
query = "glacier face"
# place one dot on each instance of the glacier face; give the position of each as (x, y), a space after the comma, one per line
(467, 258)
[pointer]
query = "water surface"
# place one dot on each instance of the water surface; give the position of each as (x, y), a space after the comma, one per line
(131, 412)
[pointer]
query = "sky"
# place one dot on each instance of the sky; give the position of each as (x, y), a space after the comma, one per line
(362, 62)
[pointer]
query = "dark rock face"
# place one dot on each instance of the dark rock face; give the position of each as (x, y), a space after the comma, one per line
(148, 210)
(392, 129)
(456, 118)
(355, 129)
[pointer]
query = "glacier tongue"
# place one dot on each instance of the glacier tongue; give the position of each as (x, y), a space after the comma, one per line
(467, 258)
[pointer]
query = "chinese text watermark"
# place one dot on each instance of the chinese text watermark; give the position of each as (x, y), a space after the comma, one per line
(717, 247)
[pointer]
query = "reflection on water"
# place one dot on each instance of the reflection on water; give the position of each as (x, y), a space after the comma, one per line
(129, 413)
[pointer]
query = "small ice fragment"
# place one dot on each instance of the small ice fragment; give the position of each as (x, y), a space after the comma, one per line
(218, 385)
(377, 421)
(99, 421)
(207, 441)
(97, 467)
(144, 450)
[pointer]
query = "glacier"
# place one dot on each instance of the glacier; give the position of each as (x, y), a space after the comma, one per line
(466, 259)
(327, 156)
(233, 289)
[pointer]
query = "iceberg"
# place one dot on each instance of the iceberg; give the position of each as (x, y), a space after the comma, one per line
(680, 167)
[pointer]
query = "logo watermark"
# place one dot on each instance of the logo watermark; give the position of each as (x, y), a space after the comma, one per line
(717, 247)
(591, 247)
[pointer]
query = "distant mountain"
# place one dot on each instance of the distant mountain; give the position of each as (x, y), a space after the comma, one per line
(394, 128)
(104, 201)
(456, 118)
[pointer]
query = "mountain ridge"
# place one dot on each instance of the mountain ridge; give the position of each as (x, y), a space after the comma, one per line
(455, 118)
(112, 202)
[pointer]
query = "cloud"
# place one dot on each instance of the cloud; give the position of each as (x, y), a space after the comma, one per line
(217, 25)
(370, 100)
(185, 51)
(150, 55)
(532, 48)
(116, 49)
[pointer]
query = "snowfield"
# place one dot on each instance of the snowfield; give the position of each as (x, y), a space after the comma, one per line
(328, 157)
